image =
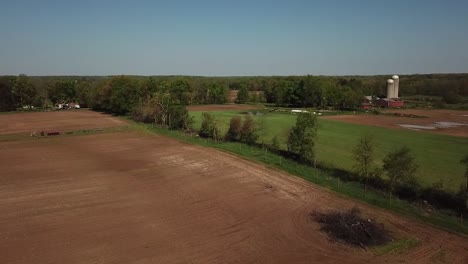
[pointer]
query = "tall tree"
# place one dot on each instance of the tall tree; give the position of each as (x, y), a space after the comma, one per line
(313, 91)
(242, 95)
(364, 156)
(83, 93)
(235, 128)
(249, 131)
(179, 118)
(124, 94)
(101, 95)
(401, 168)
(62, 91)
(24, 90)
(302, 137)
(7, 99)
(209, 127)
(216, 94)
(181, 91)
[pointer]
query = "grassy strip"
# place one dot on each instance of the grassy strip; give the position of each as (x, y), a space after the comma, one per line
(351, 189)
(397, 247)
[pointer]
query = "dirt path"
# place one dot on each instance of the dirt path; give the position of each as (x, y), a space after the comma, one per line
(65, 120)
(133, 198)
(449, 122)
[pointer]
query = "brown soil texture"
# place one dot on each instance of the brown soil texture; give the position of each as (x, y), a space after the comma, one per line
(66, 120)
(223, 107)
(394, 122)
(130, 197)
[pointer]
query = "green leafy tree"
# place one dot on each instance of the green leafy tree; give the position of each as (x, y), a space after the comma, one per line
(209, 127)
(24, 90)
(163, 101)
(101, 95)
(149, 87)
(181, 91)
(124, 94)
(302, 137)
(364, 155)
(216, 94)
(249, 131)
(400, 167)
(62, 91)
(242, 95)
(235, 128)
(161, 110)
(312, 92)
(350, 99)
(83, 93)
(7, 98)
(179, 118)
(146, 111)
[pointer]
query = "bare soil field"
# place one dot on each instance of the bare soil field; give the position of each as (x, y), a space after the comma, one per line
(66, 120)
(224, 107)
(136, 198)
(449, 122)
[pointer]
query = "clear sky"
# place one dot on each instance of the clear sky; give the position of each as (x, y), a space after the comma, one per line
(216, 37)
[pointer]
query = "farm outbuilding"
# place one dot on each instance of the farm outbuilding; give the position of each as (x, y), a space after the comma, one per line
(390, 103)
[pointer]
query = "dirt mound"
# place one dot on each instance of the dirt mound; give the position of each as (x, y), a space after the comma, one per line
(349, 227)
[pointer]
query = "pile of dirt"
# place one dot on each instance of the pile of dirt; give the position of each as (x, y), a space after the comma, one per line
(350, 228)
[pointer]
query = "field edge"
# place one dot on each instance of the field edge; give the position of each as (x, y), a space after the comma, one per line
(350, 190)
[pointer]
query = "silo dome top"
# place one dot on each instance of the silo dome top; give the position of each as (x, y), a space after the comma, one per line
(389, 81)
(395, 77)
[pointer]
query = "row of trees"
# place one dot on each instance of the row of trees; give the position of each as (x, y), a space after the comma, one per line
(122, 93)
(299, 91)
(16, 91)
(399, 164)
(400, 168)
(240, 130)
(118, 94)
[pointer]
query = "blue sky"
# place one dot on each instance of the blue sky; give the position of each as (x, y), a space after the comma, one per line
(225, 38)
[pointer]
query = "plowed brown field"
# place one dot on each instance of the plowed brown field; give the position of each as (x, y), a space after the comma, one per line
(136, 198)
(65, 120)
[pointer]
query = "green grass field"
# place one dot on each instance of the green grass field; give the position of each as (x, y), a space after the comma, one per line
(437, 155)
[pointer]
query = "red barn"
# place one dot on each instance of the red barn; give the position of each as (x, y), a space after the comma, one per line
(390, 103)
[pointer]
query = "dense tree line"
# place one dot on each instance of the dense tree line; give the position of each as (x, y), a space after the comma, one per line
(116, 94)
(120, 93)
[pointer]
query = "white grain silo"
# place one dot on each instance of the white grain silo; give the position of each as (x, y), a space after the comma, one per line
(396, 86)
(390, 88)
